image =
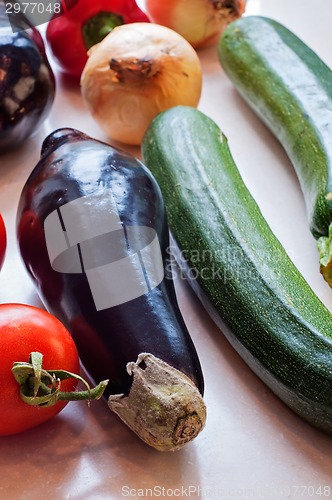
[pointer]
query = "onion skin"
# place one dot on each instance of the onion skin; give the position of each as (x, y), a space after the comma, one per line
(201, 22)
(136, 72)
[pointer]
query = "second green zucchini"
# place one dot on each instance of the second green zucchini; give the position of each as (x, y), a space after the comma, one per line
(290, 88)
(238, 267)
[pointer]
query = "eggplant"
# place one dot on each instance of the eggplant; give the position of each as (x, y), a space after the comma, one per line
(27, 84)
(93, 235)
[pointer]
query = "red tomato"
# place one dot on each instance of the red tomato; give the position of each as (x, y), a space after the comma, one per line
(3, 241)
(25, 329)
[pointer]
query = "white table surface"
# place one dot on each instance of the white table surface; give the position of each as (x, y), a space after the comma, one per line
(253, 446)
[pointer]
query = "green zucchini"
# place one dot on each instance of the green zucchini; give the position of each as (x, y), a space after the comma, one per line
(237, 266)
(290, 88)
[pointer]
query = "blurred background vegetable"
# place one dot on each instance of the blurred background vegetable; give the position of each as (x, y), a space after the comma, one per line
(3, 241)
(27, 83)
(70, 36)
(137, 71)
(199, 21)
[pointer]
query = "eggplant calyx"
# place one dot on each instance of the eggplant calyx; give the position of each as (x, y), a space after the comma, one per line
(164, 407)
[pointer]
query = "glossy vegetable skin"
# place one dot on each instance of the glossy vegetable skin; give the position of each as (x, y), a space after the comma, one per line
(290, 88)
(3, 241)
(72, 167)
(24, 329)
(27, 84)
(237, 266)
(71, 35)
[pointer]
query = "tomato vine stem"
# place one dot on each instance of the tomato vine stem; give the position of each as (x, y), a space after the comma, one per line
(39, 387)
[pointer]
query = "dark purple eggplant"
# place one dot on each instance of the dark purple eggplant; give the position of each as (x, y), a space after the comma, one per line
(27, 84)
(85, 208)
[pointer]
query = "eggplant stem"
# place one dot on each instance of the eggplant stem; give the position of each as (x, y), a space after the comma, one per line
(39, 387)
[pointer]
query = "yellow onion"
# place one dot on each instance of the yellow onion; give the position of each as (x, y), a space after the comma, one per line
(137, 71)
(199, 21)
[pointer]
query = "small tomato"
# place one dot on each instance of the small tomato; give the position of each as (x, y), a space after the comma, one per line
(25, 329)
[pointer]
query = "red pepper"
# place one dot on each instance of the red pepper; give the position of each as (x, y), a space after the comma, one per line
(72, 34)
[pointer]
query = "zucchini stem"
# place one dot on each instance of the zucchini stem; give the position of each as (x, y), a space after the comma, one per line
(324, 245)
